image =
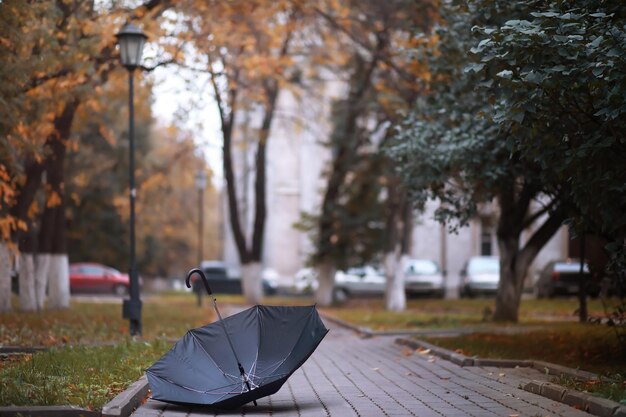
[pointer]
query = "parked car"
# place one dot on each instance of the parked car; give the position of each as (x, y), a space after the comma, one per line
(97, 278)
(222, 282)
(360, 281)
(270, 280)
(562, 278)
(423, 277)
(480, 275)
(305, 281)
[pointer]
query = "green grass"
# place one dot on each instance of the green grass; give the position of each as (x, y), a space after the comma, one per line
(589, 347)
(433, 313)
(86, 377)
(88, 323)
(71, 374)
(613, 388)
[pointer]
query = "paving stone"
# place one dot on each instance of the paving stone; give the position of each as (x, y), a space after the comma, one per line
(349, 376)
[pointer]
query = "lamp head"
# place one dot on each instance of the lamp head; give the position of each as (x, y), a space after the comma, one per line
(131, 40)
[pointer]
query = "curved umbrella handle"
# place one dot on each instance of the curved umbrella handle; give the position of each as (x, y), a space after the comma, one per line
(199, 272)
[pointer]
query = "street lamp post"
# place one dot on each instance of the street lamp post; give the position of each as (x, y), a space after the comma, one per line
(201, 180)
(131, 40)
(200, 185)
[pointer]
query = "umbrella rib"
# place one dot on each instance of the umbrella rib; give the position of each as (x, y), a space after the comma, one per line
(211, 357)
(295, 344)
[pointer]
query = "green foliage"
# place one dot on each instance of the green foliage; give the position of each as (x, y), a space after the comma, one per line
(560, 89)
(447, 149)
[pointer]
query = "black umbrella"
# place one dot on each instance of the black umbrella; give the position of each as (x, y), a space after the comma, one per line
(239, 359)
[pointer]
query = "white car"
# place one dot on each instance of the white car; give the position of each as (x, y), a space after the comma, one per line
(423, 276)
(361, 281)
(480, 275)
(305, 281)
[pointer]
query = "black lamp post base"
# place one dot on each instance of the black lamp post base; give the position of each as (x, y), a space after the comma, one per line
(131, 310)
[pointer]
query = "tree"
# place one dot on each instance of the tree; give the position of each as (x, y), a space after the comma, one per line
(381, 85)
(58, 59)
(448, 149)
(560, 87)
(248, 51)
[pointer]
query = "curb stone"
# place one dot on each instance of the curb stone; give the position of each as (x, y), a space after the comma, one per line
(127, 401)
(597, 406)
(554, 392)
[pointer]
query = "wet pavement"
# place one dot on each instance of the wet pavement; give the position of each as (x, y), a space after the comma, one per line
(351, 376)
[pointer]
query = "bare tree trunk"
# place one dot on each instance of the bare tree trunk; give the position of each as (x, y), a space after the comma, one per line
(510, 285)
(5, 278)
(515, 260)
(399, 221)
(326, 280)
(28, 300)
(52, 236)
(251, 283)
(395, 297)
(42, 262)
(59, 282)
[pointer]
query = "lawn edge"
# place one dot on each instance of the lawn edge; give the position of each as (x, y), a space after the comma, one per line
(598, 406)
(128, 400)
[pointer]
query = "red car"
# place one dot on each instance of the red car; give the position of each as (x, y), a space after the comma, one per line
(92, 277)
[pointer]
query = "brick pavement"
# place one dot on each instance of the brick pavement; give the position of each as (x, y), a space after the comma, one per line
(349, 376)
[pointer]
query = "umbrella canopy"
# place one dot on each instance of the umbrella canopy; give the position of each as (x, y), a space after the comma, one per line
(238, 359)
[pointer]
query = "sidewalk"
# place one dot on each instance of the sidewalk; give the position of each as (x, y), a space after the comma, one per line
(350, 376)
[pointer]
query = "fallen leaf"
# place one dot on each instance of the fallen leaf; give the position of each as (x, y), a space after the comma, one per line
(422, 351)
(406, 351)
(375, 369)
(501, 374)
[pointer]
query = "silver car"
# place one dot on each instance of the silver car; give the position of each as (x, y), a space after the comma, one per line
(423, 277)
(480, 275)
(360, 281)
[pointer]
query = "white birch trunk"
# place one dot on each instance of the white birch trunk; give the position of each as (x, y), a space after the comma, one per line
(326, 280)
(5, 278)
(28, 300)
(395, 297)
(59, 282)
(251, 283)
(42, 262)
